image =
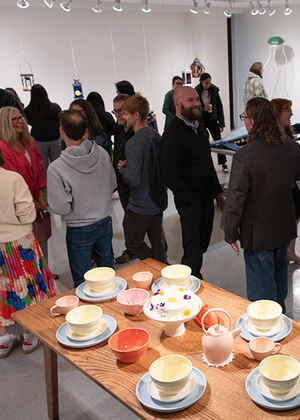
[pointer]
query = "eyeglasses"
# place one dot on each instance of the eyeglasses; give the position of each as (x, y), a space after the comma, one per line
(242, 117)
(178, 83)
(17, 118)
(287, 110)
(117, 112)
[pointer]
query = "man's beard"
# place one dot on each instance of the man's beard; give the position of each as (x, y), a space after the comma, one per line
(192, 114)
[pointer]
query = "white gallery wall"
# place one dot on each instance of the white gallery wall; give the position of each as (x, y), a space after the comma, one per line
(146, 49)
(250, 44)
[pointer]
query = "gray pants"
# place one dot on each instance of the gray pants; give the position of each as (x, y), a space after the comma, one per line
(49, 150)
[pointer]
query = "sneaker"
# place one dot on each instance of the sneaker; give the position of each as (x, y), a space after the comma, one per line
(31, 343)
(55, 276)
(225, 168)
(7, 343)
(125, 257)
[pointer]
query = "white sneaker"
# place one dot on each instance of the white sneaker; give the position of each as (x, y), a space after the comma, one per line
(7, 343)
(30, 343)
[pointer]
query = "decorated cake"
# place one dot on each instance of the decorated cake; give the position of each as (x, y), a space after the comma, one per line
(172, 303)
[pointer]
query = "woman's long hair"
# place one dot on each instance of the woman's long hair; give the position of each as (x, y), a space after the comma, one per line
(39, 106)
(8, 132)
(265, 126)
(94, 125)
(281, 105)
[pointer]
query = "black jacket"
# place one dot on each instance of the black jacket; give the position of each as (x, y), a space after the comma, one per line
(187, 164)
(217, 114)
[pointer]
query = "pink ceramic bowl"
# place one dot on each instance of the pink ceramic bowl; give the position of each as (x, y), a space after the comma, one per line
(132, 300)
(129, 345)
(143, 279)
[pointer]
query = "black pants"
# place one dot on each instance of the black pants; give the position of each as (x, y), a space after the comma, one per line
(196, 226)
(214, 130)
(135, 228)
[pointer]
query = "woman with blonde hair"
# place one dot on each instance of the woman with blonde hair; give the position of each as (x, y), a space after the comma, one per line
(283, 108)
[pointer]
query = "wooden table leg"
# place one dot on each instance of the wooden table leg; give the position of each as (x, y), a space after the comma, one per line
(50, 360)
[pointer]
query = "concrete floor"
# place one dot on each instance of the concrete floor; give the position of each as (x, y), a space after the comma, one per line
(23, 394)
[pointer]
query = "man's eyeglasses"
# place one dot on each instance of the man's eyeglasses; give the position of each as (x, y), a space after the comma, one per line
(242, 117)
(17, 118)
(117, 111)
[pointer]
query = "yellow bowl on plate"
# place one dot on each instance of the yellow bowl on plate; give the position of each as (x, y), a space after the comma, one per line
(170, 374)
(177, 274)
(99, 279)
(279, 373)
(264, 314)
(84, 319)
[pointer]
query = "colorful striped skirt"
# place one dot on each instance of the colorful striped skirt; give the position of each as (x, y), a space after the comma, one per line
(25, 278)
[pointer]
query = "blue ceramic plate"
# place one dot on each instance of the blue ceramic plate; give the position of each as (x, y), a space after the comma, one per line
(80, 293)
(265, 402)
(63, 339)
(246, 334)
(170, 407)
(193, 288)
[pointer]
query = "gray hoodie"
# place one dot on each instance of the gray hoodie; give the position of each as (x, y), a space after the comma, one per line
(80, 184)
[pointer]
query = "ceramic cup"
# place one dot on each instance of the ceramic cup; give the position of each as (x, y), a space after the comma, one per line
(63, 305)
(264, 314)
(84, 319)
(100, 279)
(262, 347)
(143, 279)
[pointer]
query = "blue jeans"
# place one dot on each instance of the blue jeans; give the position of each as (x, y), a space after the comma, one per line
(85, 240)
(267, 275)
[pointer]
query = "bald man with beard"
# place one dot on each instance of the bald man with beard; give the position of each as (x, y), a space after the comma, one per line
(190, 174)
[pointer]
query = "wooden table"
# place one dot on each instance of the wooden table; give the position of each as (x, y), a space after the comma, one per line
(225, 397)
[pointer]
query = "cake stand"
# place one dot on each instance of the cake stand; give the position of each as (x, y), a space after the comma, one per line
(174, 327)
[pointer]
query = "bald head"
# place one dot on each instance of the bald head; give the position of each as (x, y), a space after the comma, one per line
(187, 103)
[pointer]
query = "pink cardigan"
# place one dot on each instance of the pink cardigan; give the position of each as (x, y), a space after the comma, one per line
(17, 162)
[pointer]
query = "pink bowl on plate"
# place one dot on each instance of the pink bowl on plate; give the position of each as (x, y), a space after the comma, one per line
(132, 300)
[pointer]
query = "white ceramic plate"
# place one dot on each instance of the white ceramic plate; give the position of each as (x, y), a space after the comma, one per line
(160, 284)
(170, 407)
(263, 389)
(99, 330)
(158, 395)
(122, 284)
(261, 400)
(90, 292)
(248, 336)
(258, 333)
(63, 339)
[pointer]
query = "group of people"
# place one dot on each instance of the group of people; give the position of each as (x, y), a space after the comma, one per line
(259, 211)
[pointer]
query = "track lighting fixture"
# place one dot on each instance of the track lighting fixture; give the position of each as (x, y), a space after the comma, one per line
(207, 6)
(261, 10)
(194, 9)
(117, 7)
(288, 10)
(49, 3)
(270, 11)
(254, 10)
(228, 13)
(97, 7)
(146, 7)
(66, 5)
(23, 4)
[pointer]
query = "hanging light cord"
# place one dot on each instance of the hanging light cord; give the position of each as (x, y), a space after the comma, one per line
(113, 50)
(71, 43)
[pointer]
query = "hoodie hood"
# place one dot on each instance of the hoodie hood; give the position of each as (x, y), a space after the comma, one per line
(83, 158)
(253, 75)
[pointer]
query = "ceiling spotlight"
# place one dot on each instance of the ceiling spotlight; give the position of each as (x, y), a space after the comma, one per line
(288, 10)
(228, 13)
(49, 3)
(23, 4)
(66, 6)
(270, 11)
(146, 7)
(117, 7)
(206, 9)
(261, 10)
(97, 7)
(254, 10)
(194, 9)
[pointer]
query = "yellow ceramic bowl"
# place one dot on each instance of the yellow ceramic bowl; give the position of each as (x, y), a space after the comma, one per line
(99, 279)
(84, 319)
(279, 373)
(264, 314)
(176, 274)
(170, 373)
